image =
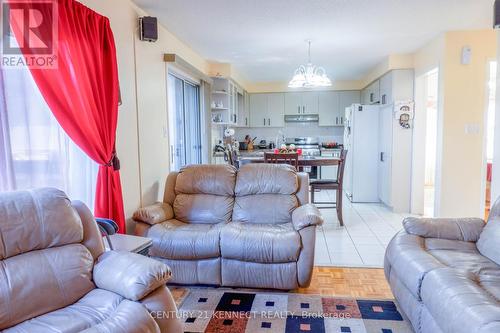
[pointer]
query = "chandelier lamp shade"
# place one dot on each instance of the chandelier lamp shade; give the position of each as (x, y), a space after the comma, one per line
(309, 75)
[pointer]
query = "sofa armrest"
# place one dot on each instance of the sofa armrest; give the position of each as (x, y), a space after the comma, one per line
(305, 216)
(460, 229)
(155, 213)
(130, 275)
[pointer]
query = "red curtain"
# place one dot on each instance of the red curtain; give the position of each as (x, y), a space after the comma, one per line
(82, 91)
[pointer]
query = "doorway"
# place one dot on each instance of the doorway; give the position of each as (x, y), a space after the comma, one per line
(184, 101)
(490, 131)
(425, 143)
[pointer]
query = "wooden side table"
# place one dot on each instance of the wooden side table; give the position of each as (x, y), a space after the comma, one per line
(130, 243)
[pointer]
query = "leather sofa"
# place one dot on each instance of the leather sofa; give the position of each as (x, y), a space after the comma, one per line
(56, 277)
(251, 227)
(445, 273)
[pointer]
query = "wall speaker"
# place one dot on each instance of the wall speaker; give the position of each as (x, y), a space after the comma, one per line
(148, 28)
(496, 14)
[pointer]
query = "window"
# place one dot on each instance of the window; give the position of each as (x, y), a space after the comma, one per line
(35, 151)
(185, 120)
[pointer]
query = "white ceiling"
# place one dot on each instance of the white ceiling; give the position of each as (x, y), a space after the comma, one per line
(264, 39)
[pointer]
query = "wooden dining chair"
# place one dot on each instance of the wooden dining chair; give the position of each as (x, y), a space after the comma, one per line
(332, 184)
(282, 158)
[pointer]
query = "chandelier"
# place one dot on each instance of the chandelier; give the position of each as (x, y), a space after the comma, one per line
(309, 75)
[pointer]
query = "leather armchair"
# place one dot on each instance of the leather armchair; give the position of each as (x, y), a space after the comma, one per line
(251, 227)
(77, 286)
(445, 273)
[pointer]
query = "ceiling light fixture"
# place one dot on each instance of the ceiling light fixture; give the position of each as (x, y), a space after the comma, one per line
(309, 75)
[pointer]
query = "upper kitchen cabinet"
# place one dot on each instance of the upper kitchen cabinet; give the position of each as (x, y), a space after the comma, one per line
(332, 105)
(243, 118)
(346, 99)
(373, 93)
(397, 85)
(267, 110)
(301, 103)
(329, 111)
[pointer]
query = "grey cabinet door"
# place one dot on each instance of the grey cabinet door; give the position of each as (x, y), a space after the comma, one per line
(328, 108)
(346, 99)
(293, 103)
(258, 110)
(310, 102)
(276, 110)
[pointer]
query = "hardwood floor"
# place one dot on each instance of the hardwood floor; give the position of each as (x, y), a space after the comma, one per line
(348, 282)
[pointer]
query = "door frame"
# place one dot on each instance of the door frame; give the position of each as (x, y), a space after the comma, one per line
(419, 138)
(485, 135)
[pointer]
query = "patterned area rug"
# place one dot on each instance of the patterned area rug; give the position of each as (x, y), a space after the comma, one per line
(224, 310)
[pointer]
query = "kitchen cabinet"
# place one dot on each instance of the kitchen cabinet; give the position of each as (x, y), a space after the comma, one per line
(346, 99)
(267, 110)
(373, 92)
(332, 105)
(243, 119)
(301, 102)
(328, 105)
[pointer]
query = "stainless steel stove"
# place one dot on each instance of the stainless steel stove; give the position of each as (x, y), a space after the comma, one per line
(310, 146)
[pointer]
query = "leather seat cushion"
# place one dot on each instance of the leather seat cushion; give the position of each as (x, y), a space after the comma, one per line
(206, 179)
(97, 311)
(459, 303)
(262, 243)
(266, 179)
(174, 239)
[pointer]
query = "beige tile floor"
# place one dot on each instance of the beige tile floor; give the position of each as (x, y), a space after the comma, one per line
(362, 241)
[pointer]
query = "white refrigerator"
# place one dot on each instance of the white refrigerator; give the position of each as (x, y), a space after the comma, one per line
(361, 136)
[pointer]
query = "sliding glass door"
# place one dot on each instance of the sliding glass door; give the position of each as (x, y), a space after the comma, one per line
(186, 120)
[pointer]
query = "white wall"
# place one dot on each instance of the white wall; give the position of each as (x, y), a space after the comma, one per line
(141, 144)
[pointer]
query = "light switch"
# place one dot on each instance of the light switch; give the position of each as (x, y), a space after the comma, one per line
(472, 129)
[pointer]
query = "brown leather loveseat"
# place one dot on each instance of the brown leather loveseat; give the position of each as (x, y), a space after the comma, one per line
(251, 227)
(56, 277)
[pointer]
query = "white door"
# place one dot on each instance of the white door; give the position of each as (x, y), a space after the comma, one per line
(258, 110)
(293, 103)
(328, 108)
(310, 102)
(276, 110)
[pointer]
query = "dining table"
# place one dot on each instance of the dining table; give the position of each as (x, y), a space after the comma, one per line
(303, 161)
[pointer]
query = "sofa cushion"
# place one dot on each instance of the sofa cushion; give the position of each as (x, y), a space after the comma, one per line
(97, 308)
(37, 219)
(174, 239)
(203, 208)
(206, 179)
(266, 179)
(458, 301)
(413, 257)
(407, 256)
(264, 243)
(62, 274)
(265, 193)
(488, 243)
(265, 208)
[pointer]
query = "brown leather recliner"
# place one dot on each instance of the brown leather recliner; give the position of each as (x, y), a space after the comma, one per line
(56, 277)
(251, 227)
